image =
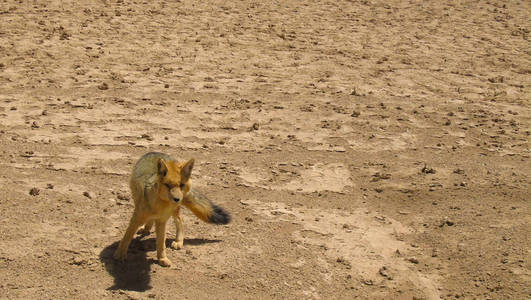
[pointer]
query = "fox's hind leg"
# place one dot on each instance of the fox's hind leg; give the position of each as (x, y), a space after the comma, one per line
(179, 230)
(146, 229)
(137, 192)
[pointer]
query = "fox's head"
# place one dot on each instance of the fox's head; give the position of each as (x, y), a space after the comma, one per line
(174, 178)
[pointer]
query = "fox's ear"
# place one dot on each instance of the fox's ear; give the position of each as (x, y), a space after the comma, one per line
(162, 169)
(186, 171)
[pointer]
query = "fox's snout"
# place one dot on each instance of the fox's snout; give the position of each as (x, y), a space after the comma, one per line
(176, 195)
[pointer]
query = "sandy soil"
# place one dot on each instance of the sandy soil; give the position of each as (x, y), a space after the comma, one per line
(365, 149)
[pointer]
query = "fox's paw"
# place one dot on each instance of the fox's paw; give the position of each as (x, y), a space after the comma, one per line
(120, 255)
(165, 262)
(177, 245)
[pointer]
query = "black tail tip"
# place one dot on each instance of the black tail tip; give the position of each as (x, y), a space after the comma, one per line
(219, 216)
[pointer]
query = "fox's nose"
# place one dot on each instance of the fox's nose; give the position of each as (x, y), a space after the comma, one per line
(176, 199)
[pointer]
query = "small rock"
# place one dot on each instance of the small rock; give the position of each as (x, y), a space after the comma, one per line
(103, 86)
(86, 194)
(35, 125)
(34, 191)
(248, 219)
(384, 272)
(166, 86)
(368, 282)
(428, 170)
(459, 171)
(49, 186)
(255, 126)
(445, 221)
(355, 114)
(413, 260)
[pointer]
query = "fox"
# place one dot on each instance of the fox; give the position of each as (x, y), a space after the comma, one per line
(160, 185)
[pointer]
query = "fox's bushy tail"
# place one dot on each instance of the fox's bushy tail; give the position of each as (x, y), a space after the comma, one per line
(204, 209)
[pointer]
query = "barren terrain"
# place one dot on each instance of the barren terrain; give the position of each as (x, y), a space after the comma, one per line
(365, 149)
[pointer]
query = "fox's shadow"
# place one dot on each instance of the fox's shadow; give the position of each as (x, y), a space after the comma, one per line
(135, 273)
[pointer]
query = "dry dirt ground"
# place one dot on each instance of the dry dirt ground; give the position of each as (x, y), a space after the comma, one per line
(365, 149)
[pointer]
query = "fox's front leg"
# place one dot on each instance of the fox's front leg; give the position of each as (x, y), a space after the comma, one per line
(135, 222)
(179, 230)
(160, 230)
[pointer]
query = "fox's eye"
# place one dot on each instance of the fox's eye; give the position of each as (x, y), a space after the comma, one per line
(168, 186)
(181, 186)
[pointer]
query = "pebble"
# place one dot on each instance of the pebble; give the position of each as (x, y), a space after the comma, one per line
(103, 86)
(384, 272)
(34, 191)
(413, 260)
(428, 170)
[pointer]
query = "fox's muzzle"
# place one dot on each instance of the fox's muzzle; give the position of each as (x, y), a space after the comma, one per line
(176, 199)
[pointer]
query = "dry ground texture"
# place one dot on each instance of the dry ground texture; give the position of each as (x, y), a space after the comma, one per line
(366, 149)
